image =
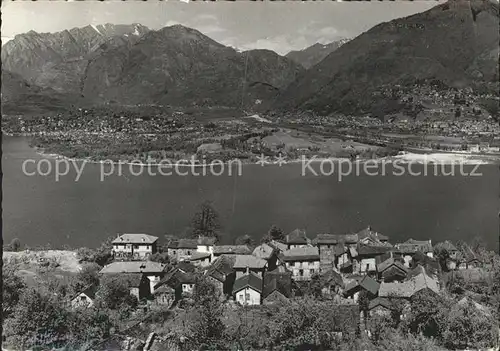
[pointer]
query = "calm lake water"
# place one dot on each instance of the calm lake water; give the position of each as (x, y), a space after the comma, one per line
(39, 210)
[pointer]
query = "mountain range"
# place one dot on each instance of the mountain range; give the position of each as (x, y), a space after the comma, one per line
(132, 64)
(455, 44)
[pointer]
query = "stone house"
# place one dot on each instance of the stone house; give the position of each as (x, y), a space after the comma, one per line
(134, 246)
(303, 262)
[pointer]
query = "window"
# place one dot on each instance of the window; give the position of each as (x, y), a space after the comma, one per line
(147, 247)
(82, 298)
(240, 297)
(136, 246)
(189, 252)
(247, 296)
(311, 271)
(292, 264)
(301, 272)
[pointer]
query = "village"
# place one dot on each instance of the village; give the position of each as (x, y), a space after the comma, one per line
(275, 271)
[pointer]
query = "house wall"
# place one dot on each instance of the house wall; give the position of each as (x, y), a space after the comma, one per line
(202, 263)
(407, 260)
(135, 292)
(135, 249)
(153, 280)
(248, 296)
(344, 258)
(205, 248)
(354, 297)
(380, 311)
(82, 300)
(180, 254)
(303, 270)
(368, 265)
(165, 298)
(187, 288)
(293, 246)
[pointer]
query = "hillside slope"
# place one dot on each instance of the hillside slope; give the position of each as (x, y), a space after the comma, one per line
(181, 66)
(314, 54)
(58, 60)
(455, 43)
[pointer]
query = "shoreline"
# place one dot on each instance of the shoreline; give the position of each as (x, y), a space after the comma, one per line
(427, 156)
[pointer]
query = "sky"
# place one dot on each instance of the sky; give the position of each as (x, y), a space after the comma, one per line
(278, 26)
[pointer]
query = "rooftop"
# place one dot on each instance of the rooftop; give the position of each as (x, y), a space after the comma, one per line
(249, 261)
(248, 280)
(411, 246)
(135, 239)
(281, 282)
(301, 253)
(221, 267)
(408, 288)
(263, 251)
(232, 250)
(297, 236)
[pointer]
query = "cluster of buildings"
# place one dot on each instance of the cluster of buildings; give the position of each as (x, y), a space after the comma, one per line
(343, 266)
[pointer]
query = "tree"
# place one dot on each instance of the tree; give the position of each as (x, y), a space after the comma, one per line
(114, 293)
(428, 314)
(12, 288)
(87, 326)
(15, 245)
(244, 240)
(208, 329)
(468, 326)
(315, 286)
(37, 320)
(102, 255)
(206, 222)
(87, 276)
(275, 234)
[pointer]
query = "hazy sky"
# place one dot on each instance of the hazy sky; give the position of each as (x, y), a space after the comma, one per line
(279, 26)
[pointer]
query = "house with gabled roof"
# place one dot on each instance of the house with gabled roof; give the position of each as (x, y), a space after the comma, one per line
(382, 306)
(368, 236)
(368, 284)
(391, 270)
(332, 283)
(182, 282)
(222, 274)
(277, 287)
(247, 290)
(134, 246)
(297, 238)
(182, 249)
(280, 247)
(153, 271)
(367, 256)
(410, 247)
(408, 288)
(245, 264)
(303, 262)
(268, 253)
(201, 259)
(85, 298)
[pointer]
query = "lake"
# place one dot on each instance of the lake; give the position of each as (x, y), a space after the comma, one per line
(39, 210)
